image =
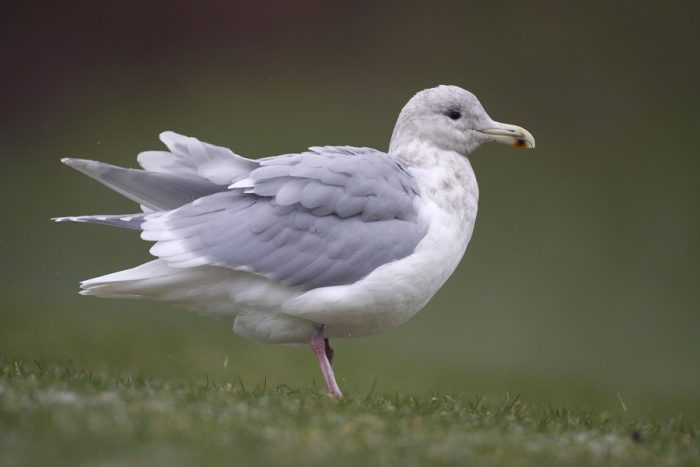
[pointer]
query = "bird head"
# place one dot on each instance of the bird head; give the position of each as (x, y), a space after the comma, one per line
(453, 119)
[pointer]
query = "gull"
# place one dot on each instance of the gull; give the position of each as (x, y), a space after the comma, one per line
(332, 242)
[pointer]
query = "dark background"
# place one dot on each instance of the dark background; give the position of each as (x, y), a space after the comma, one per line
(581, 281)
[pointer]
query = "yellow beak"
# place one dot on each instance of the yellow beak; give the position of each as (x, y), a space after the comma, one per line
(514, 135)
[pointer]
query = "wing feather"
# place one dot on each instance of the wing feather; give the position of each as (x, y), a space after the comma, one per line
(189, 156)
(326, 217)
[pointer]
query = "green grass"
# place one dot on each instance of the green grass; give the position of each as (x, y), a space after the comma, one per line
(58, 415)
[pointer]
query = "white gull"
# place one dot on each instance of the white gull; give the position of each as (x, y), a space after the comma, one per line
(337, 241)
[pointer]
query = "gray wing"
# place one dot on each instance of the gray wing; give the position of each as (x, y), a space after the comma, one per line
(325, 217)
(153, 190)
(190, 169)
(190, 157)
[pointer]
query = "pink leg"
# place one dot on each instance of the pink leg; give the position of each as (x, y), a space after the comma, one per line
(324, 354)
(329, 351)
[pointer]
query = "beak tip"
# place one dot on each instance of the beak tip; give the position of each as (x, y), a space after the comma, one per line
(524, 144)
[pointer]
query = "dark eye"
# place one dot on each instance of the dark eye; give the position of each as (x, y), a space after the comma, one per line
(454, 114)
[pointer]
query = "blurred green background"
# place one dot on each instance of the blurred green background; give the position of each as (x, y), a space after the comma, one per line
(581, 281)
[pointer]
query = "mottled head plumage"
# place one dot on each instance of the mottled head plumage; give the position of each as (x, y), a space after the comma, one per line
(445, 117)
(450, 118)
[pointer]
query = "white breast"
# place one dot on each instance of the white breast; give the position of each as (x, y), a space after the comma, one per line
(393, 293)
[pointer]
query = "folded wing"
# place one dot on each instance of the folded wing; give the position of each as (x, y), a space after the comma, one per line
(325, 217)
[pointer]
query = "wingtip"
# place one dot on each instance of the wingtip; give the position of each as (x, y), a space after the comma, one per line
(74, 162)
(88, 167)
(168, 136)
(66, 219)
(246, 182)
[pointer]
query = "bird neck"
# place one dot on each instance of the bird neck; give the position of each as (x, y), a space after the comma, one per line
(444, 177)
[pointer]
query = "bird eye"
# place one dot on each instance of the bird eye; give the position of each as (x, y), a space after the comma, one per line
(454, 114)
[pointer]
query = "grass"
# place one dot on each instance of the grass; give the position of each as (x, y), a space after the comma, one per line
(58, 415)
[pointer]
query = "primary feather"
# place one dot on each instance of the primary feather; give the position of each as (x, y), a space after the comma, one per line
(153, 190)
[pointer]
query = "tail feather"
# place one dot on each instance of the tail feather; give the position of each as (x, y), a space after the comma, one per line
(130, 283)
(206, 290)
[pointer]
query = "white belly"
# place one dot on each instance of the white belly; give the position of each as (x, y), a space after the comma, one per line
(395, 292)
